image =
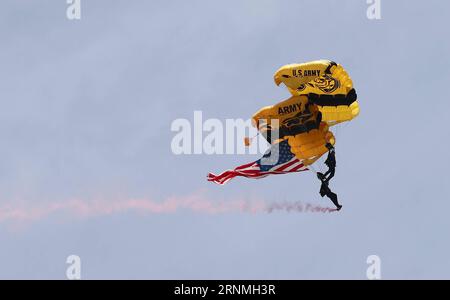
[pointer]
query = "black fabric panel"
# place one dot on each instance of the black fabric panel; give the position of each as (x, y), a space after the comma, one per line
(333, 100)
(301, 128)
(284, 131)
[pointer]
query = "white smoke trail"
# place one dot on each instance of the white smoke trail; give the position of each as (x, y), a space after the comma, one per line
(195, 203)
(298, 207)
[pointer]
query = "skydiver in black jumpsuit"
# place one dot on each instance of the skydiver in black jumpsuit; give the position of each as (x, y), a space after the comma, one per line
(324, 189)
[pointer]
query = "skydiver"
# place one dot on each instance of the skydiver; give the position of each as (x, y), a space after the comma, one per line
(324, 188)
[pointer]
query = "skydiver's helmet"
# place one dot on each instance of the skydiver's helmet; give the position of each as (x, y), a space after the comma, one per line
(329, 147)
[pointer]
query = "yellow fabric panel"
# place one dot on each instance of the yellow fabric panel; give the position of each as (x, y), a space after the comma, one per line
(340, 113)
(282, 111)
(333, 84)
(311, 145)
(311, 77)
(295, 75)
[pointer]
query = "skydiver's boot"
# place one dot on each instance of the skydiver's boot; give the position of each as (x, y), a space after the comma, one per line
(320, 176)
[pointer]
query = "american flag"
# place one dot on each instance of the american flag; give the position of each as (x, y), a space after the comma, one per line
(278, 159)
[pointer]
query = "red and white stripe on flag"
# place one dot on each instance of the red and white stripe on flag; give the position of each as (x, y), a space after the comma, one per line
(253, 170)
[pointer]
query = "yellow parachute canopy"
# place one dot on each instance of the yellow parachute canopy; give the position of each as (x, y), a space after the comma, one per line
(322, 96)
(326, 84)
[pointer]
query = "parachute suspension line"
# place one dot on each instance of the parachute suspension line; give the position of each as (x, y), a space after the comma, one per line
(311, 168)
(320, 167)
(336, 131)
(248, 140)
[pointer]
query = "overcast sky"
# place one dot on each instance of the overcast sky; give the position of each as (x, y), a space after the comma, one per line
(86, 110)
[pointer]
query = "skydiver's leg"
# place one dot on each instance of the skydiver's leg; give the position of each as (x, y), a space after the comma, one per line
(323, 190)
(326, 173)
(333, 197)
(331, 174)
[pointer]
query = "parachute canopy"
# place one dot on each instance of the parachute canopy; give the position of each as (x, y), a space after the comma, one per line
(322, 96)
(326, 84)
